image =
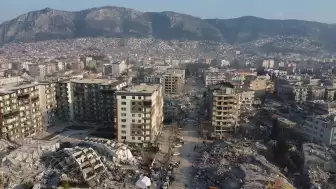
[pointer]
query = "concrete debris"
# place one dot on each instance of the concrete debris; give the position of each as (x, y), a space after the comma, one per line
(28, 156)
(235, 165)
(80, 160)
(118, 152)
(319, 164)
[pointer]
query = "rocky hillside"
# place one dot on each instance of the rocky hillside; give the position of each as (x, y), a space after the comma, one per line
(122, 22)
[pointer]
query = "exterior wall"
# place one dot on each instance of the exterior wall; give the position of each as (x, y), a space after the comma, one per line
(47, 94)
(20, 113)
(173, 84)
(246, 98)
(139, 117)
(224, 111)
(319, 130)
(88, 102)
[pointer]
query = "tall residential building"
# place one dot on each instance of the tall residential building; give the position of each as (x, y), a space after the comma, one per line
(268, 63)
(88, 100)
(225, 104)
(139, 113)
(118, 67)
(107, 70)
(20, 114)
(173, 81)
(47, 95)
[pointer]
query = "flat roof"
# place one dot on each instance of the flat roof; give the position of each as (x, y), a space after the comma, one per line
(10, 88)
(98, 81)
(142, 89)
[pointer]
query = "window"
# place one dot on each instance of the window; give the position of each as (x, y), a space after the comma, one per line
(133, 103)
(123, 109)
(139, 97)
(123, 137)
(133, 97)
(123, 126)
(139, 109)
(123, 114)
(123, 103)
(139, 121)
(123, 132)
(133, 120)
(123, 97)
(123, 120)
(139, 127)
(139, 138)
(133, 138)
(139, 115)
(133, 115)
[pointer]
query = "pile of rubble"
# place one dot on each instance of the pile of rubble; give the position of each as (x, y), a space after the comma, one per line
(318, 165)
(93, 162)
(235, 165)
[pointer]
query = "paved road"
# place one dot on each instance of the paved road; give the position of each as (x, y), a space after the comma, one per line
(184, 174)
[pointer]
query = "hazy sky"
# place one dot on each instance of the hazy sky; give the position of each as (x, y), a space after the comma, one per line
(315, 10)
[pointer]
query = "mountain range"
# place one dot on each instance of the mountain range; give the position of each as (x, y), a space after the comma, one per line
(111, 21)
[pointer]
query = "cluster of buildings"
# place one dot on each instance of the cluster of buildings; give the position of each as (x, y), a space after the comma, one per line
(134, 112)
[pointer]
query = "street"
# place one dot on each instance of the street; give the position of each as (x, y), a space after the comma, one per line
(183, 174)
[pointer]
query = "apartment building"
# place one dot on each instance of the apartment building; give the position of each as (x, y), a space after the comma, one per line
(292, 90)
(64, 98)
(88, 100)
(139, 113)
(118, 67)
(153, 79)
(319, 128)
(224, 106)
(257, 85)
(20, 114)
(212, 77)
(173, 83)
(48, 105)
(246, 98)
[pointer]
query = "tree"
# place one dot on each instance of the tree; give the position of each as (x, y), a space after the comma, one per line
(65, 185)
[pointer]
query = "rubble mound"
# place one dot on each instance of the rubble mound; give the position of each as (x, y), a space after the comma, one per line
(235, 165)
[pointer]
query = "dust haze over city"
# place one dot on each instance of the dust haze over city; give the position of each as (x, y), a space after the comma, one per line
(148, 94)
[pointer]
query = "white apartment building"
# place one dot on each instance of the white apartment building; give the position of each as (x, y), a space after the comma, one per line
(321, 129)
(268, 64)
(213, 77)
(139, 113)
(118, 67)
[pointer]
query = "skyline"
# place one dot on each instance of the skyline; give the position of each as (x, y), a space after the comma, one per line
(312, 10)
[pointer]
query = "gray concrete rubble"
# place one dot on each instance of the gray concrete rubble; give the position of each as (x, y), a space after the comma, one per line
(235, 165)
(118, 152)
(318, 165)
(83, 161)
(92, 162)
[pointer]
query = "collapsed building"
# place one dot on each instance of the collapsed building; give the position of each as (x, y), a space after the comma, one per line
(318, 165)
(92, 162)
(235, 165)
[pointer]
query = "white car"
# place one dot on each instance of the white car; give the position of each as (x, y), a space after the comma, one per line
(176, 153)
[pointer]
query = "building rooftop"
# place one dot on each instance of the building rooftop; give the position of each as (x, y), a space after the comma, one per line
(98, 81)
(10, 88)
(142, 88)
